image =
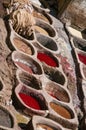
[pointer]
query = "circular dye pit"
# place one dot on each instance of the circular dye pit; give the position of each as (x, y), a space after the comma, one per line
(32, 99)
(57, 92)
(61, 110)
(54, 75)
(49, 60)
(22, 46)
(5, 119)
(26, 63)
(47, 42)
(29, 80)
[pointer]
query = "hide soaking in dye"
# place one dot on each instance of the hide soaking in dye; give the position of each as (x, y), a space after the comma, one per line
(44, 127)
(82, 58)
(47, 59)
(30, 101)
(60, 110)
(22, 46)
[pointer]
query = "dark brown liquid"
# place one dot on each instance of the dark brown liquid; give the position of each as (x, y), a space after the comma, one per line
(60, 110)
(22, 46)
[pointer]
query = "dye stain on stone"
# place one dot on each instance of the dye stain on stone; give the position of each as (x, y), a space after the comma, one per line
(82, 58)
(60, 110)
(47, 59)
(5, 119)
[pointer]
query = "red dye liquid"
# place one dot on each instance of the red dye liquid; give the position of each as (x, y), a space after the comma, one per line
(52, 95)
(47, 59)
(82, 58)
(25, 67)
(30, 101)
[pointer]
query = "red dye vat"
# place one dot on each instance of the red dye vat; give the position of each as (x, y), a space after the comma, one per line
(82, 58)
(25, 67)
(47, 59)
(30, 101)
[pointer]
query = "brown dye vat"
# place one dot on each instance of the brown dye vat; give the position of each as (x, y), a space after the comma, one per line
(44, 127)
(41, 16)
(22, 46)
(40, 30)
(57, 92)
(60, 110)
(5, 119)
